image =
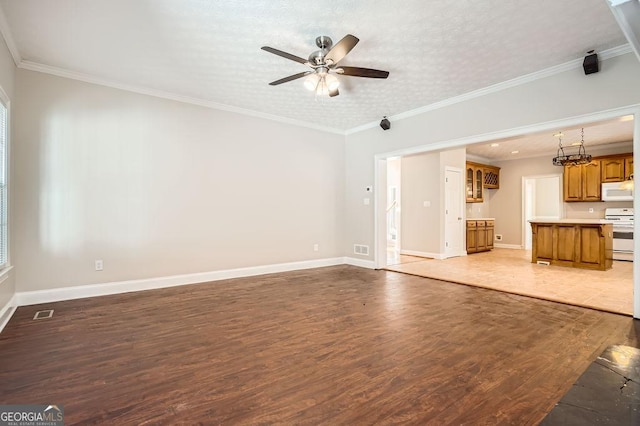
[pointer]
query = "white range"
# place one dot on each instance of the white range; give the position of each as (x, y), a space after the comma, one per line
(622, 232)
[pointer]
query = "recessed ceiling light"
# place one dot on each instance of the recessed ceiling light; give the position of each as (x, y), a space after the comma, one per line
(493, 145)
(626, 118)
(515, 152)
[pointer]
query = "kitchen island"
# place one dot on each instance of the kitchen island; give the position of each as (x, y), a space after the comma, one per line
(576, 243)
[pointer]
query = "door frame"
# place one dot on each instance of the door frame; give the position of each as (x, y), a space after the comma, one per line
(380, 178)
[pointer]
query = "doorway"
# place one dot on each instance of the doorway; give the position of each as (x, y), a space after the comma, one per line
(541, 199)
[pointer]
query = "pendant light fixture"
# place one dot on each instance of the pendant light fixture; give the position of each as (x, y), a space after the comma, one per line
(562, 159)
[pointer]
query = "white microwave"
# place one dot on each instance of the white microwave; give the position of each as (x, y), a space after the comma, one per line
(617, 191)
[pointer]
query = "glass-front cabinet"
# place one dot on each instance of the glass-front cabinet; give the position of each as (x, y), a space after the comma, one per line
(479, 182)
(475, 179)
(470, 178)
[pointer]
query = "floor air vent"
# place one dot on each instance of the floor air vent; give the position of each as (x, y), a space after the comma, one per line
(43, 314)
(361, 249)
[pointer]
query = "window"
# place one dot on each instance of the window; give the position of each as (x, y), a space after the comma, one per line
(3, 183)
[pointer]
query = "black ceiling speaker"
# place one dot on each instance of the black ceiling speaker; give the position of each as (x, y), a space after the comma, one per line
(590, 63)
(385, 123)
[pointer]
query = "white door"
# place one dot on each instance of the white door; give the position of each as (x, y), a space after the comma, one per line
(453, 212)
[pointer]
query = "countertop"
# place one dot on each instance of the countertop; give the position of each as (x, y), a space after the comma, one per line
(481, 218)
(577, 221)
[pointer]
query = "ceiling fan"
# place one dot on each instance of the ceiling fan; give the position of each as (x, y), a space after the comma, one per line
(324, 64)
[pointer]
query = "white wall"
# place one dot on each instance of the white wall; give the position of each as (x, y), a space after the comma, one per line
(420, 183)
(158, 188)
(7, 280)
(615, 86)
(423, 180)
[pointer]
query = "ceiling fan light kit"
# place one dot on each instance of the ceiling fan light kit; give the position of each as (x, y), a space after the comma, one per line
(324, 65)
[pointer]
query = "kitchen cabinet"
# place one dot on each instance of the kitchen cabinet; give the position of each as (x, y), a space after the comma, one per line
(582, 182)
(491, 177)
(474, 181)
(478, 178)
(628, 167)
(616, 168)
(480, 235)
(586, 244)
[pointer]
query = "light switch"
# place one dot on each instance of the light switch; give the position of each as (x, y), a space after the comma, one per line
(367, 201)
(426, 203)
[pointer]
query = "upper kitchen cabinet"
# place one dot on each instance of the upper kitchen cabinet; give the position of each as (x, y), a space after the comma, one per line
(475, 178)
(582, 182)
(478, 178)
(491, 177)
(616, 168)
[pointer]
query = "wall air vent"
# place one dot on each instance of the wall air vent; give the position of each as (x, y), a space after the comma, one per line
(360, 249)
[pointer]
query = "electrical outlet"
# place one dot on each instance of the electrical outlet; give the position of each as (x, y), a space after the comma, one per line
(498, 237)
(99, 265)
(316, 247)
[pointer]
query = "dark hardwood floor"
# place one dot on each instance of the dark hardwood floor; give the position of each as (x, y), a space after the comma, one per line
(337, 345)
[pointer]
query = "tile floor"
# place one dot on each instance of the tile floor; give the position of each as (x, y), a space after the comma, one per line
(511, 271)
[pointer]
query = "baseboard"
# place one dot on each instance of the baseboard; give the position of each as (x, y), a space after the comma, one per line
(507, 246)
(6, 312)
(369, 264)
(78, 292)
(438, 256)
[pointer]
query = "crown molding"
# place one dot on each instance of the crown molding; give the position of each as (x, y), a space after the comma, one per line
(61, 72)
(547, 72)
(627, 15)
(8, 38)
(480, 159)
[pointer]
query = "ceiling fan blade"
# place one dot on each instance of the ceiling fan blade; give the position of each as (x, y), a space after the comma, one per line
(340, 49)
(284, 54)
(291, 77)
(333, 93)
(362, 72)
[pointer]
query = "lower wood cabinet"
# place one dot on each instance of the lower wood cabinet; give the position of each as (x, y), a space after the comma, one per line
(587, 246)
(479, 235)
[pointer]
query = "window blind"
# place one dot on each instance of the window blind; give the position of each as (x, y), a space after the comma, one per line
(3, 185)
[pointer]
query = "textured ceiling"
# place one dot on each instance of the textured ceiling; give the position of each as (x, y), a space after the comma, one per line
(596, 136)
(210, 50)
